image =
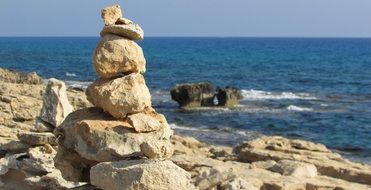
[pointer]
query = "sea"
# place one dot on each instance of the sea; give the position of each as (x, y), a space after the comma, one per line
(317, 89)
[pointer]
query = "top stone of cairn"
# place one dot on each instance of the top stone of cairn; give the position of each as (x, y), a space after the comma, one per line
(111, 14)
(117, 25)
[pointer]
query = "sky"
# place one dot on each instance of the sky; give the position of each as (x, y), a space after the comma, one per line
(213, 18)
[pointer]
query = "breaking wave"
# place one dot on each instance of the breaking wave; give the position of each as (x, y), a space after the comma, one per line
(297, 108)
(71, 74)
(78, 84)
(264, 95)
(175, 126)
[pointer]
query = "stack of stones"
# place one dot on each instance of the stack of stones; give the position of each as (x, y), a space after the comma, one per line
(121, 143)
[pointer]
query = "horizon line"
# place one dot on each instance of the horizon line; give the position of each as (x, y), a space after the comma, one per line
(193, 36)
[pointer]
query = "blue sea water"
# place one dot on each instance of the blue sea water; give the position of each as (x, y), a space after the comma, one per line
(310, 88)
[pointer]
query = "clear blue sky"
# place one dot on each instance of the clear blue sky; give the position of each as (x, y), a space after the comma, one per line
(274, 18)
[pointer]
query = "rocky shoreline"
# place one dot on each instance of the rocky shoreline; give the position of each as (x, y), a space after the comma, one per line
(110, 137)
(264, 163)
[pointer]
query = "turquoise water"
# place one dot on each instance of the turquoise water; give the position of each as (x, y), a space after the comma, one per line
(311, 88)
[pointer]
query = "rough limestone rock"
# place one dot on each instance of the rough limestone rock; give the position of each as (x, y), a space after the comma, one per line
(120, 96)
(111, 14)
(21, 102)
(264, 164)
(6, 114)
(12, 145)
(99, 137)
(115, 55)
(22, 78)
(228, 97)
(37, 139)
(55, 103)
(210, 173)
(189, 146)
(237, 184)
(72, 166)
(157, 149)
(12, 90)
(78, 98)
(210, 178)
(143, 123)
(37, 161)
(42, 126)
(222, 152)
(9, 142)
(123, 21)
(20, 126)
(129, 31)
(193, 95)
(293, 168)
(52, 180)
(33, 169)
(20, 107)
(140, 174)
(327, 163)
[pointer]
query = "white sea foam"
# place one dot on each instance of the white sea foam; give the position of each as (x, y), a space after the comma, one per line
(175, 126)
(78, 84)
(217, 134)
(215, 109)
(70, 74)
(264, 95)
(297, 108)
(249, 109)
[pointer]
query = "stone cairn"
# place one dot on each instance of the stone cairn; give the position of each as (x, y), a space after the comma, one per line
(121, 143)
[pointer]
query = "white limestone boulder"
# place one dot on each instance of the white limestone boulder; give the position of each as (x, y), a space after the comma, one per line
(56, 106)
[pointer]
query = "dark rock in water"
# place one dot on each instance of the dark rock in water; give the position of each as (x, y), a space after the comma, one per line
(204, 95)
(193, 95)
(228, 96)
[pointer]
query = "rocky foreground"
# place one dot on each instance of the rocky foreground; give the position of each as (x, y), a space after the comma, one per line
(27, 152)
(111, 138)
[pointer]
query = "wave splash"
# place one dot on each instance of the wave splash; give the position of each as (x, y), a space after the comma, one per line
(175, 126)
(264, 95)
(297, 108)
(78, 84)
(70, 74)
